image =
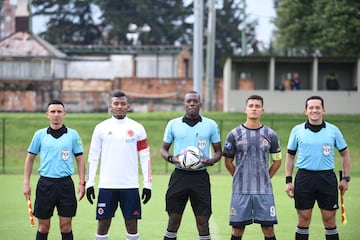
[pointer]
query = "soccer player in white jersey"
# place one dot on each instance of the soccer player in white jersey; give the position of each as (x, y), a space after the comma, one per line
(119, 143)
(251, 144)
(315, 141)
(57, 146)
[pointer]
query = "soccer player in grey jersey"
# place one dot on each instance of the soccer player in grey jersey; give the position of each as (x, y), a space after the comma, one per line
(251, 144)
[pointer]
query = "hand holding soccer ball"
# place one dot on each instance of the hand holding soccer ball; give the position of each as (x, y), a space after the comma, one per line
(190, 158)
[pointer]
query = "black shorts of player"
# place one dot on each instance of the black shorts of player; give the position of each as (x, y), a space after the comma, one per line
(320, 186)
(185, 185)
(55, 192)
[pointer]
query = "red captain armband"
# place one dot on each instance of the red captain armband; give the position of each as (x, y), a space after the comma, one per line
(142, 144)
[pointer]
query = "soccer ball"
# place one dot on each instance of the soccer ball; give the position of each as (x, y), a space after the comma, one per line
(190, 157)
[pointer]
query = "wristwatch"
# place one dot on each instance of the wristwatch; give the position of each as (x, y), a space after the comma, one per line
(347, 178)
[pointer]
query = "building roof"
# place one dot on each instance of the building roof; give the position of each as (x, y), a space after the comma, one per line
(122, 49)
(24, 44)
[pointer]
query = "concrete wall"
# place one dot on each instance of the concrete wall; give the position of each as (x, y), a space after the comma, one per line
(93, 95)
(293, 102)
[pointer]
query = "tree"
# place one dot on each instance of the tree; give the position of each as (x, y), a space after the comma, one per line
(70, 21)
(166, 18)
(328, 27)
(231, 20)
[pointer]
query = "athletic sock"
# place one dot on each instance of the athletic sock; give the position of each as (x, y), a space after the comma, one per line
(301, 233)
(270, 238)
(331, 234)
(41, 236)
(101, 237)
(170, 235)
(235, 238)
(207, 237)
(67, 236)
(135, 236)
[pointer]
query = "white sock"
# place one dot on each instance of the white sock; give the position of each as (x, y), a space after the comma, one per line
(135, 236)
(171, 235)
(205, 237)
(101, 237)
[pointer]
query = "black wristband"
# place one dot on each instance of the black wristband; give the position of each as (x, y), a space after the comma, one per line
(169, 159)
(346, 178)
(288, 179)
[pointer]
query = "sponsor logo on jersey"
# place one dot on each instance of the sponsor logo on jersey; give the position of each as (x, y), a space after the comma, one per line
(228, 145)
(130, 140)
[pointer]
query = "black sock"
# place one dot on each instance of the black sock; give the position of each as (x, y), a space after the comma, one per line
(41, 236)
(235, 238)
(67, 236)
(331, 234)
(302, 233)
(270, 238)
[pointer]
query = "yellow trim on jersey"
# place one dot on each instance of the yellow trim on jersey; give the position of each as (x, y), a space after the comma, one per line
(276, 156)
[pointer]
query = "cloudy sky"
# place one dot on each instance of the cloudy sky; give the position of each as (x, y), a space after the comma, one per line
(264, 11)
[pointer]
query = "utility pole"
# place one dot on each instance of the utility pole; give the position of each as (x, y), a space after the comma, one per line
(243, 33)
(210, 56)
(198, 46)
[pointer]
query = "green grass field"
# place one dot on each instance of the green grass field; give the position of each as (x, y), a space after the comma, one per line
(17, 130)
(15, 222)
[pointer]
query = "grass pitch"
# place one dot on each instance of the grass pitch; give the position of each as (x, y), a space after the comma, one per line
(15, 221)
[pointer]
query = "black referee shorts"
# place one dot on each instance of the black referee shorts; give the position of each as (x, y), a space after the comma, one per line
(320, 186)
(185, 185)
(55, 192)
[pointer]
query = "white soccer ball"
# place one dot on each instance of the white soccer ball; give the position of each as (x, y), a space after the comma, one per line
(190, 156)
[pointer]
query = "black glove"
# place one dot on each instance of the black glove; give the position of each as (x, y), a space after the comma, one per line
(90, 194)
(146, 195)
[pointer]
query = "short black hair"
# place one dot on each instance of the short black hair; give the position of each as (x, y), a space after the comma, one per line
(314, 98)
(55, 101)
(194, 92)
(119, 94)
(256, 97)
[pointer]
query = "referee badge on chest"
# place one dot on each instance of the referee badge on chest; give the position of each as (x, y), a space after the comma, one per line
(326, 149)
(65, 154)
(201, 144)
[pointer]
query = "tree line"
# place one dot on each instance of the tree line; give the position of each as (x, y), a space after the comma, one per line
(303, 27)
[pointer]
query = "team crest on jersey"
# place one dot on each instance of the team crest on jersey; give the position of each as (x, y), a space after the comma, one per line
(201, 144)
(265, 142)
(65, 154)
(326, 149)
(130, 132)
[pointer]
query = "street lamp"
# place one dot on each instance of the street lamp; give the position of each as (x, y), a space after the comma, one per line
(135, 31)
